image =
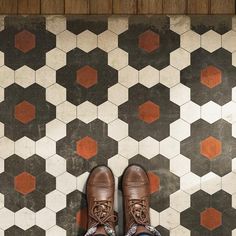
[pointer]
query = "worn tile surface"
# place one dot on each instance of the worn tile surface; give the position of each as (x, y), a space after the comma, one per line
(79, 92)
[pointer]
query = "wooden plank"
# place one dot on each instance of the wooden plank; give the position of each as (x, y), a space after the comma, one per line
(150, 6)
(174, 6)
(52, 7)
(8, 6)
(28, 7)
(100, 6)
(222, 6)
(198, 6)
(124, 6)
(76, 6)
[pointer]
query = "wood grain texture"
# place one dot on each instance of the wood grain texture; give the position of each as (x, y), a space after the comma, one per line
(222, 7)
(174, 6)
(77, 6)
(8, 6)
(125, 6)
(52, 7)
(198, 6)
(150, 6)
(100, 6)
(28, 7)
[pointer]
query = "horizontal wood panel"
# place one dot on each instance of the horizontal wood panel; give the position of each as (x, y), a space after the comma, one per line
(52, 7)
(8, 6)
(28, 6)
(77, 6)
(117, 6)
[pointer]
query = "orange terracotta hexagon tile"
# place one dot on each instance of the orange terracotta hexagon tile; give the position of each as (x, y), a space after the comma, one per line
(211, 76)
(210, 147)
(25, 41)
(149, 41)
(211, 218)
(25, 183)
(154, 182)
(86, 147)
(24, 112)
(149, 112)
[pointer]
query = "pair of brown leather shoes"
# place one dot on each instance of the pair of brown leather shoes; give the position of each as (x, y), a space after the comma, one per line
(100, 198)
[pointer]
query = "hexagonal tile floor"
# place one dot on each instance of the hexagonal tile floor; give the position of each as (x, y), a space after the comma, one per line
(76, 92)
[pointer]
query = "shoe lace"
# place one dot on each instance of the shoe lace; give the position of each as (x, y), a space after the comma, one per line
(139, 211)
(101, 213)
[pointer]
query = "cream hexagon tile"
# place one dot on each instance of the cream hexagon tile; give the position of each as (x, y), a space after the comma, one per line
(169, 147)
(180, 94)
(149, 76)
(234, 201)
(87, 112)
(1, 58)
(7, 218)
(56, 24)
(24, 218)
(190, 112)
(45, 147)
(180, 231)
(190, 41)
(56, 129)
(128, 76)
(228, 41)
(1, 165)
(107, 41)
(24, 76)
(45, 76)
(6, 76)
(180, 201)
(56, 94)
(169, 218)
(56, 58)
(1, 94)
(1, 200)
(118, 58)
(1, 129)
(117, 129)
(229, 183)
(149, 147)
(118, 24)
(229, 112)
(66, 183)
(55, 201)
(56, 230)
(180, 24)
(169, 76)
(87, 41)
(45, 218)
(24, 147)
(154, 217)
(6, 147)
(56, 165)
(66, 112)
(234, 165)
(211, 183)
(180, 58)
(117, 164)
(107, 112)
(211, 112)
(234, 58)
(211, 41)
(128, 147)
(81, 182)
(118, 94)
(180, 129)
(190, 183)
(1, 232)
(180, 165)
(66, 41)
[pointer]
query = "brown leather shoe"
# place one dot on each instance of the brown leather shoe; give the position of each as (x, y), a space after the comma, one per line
(136, 193)
(100, 199)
